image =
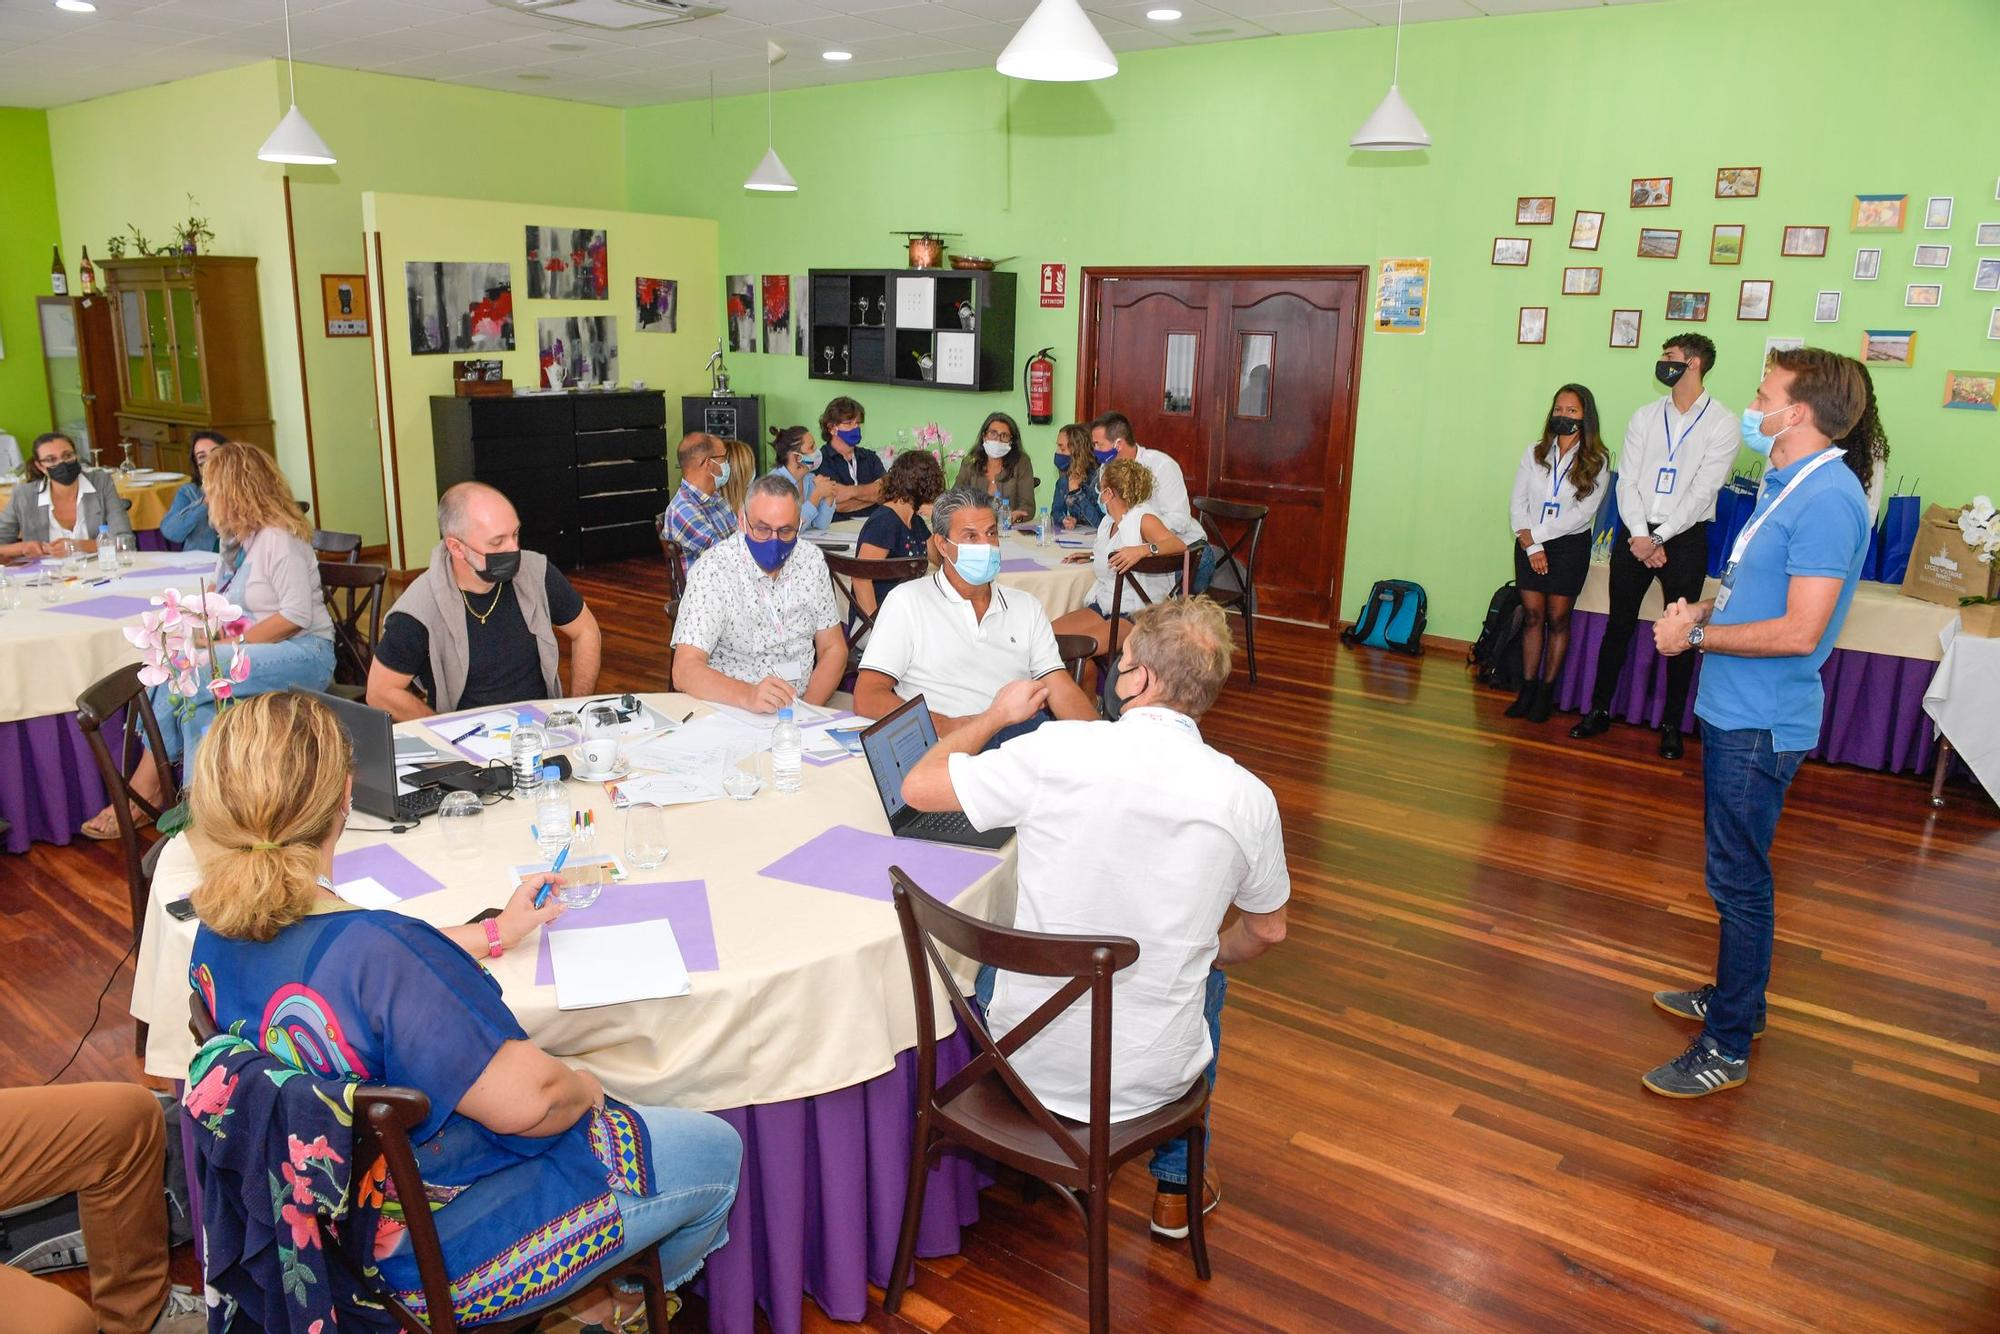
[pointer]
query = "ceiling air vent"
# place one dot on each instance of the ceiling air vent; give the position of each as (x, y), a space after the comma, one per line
(613, 15)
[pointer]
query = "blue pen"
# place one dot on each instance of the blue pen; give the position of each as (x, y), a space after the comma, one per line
(542, 894)
(469, 735)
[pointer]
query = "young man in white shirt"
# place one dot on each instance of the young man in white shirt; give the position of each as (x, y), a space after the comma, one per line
(1136, 828)
(1111, 437)
(1677, 456)
(956, 639)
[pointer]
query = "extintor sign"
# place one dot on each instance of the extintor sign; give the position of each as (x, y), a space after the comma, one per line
(1054, 285)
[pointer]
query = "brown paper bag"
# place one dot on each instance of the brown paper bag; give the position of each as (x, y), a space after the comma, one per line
(1943, 568)
(1981, 618)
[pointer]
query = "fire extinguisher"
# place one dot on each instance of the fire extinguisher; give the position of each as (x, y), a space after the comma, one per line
(1040, 374)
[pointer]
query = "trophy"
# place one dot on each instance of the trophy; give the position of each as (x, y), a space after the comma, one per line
(827, 352)
(718, 374)
(863, 303)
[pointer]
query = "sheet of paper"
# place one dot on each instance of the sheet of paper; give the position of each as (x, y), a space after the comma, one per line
(367, 892)
(803, 714)
(701, 749)
(668, 789)
(609, 965)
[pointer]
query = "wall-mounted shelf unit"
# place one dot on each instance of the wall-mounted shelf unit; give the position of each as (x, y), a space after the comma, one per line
(881, 326)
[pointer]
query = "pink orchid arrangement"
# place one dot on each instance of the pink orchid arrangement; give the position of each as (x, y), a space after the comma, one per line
(177, 648)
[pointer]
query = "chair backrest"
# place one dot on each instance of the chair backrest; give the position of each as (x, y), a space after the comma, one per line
(1086, 963)
(1076, 650)
(1181, 564)
(354, 596)
(1235, 557)
(676, 561)
(96, 708)
(846, 569)
(333, 546)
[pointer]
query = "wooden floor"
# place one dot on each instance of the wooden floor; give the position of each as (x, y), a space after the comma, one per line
(1429, 1113)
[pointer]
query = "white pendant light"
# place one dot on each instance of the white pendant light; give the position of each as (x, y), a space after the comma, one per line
(1057, 44)
(1394, 128)
(295, 140)
(770, 175)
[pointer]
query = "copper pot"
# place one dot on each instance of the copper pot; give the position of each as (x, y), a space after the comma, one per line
(926, 252)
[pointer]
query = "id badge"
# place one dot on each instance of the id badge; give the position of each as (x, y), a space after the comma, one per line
(1728, 583)
(1550, 509)
(796, 670)
(1663, 483)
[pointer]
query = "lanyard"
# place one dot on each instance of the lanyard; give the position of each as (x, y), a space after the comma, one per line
(1556, 478)
(1673, 445)
(1825, 457)
(1155, 713)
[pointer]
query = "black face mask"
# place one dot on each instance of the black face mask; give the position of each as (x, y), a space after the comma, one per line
(1564, 425)
(66, 473)
(501, 566)
(1669, 373)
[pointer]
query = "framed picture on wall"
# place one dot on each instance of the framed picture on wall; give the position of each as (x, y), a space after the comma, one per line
(1583, 232)
(1826, 308)
(1738, 182)
(1932, 257)
(344, 301)
(1937, 213)
(1867, 264)
(1780, 343)
(1687, 306)
(1753, 299)
(1625, 328)
(1928, 295)
(1993, 324)
(1583, 282)
(1879, 213)
(1659, 243)
(1971, 390)
(1652, 191)
(1988, 234)
(1534, 210)
(1511, 252)
(1986, 276)
(1725, 243)
(1533, 325)
(1889, 347)
(1804, 242)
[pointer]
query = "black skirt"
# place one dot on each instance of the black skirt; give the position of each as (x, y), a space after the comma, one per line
(1569, 566)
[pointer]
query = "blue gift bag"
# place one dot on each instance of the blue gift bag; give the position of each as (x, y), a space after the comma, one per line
(1898, 534)
(1734, 504)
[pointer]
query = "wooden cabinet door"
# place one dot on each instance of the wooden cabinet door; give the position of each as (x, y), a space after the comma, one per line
(184, 322)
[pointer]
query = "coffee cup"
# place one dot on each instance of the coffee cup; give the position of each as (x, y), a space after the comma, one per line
(597, 757)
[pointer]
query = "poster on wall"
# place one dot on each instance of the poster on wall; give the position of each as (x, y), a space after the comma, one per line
(741, 313)
(459, 307)
(568, 264)
(801, 313)
(344, 302)
(777, 307)
(658, 299)
(578, 350)
(1402, 296)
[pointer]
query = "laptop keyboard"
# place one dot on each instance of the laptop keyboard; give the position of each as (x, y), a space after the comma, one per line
(941, 822)
(415, 805)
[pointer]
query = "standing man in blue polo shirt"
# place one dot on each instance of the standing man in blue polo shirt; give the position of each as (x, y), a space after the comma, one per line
(1785, 592)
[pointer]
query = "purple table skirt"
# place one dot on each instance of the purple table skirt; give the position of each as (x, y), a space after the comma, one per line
(49, 784)
(1874, 701)
(149, 539)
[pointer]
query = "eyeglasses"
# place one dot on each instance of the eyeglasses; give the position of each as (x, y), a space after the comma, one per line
(56, 463)
(765, 533)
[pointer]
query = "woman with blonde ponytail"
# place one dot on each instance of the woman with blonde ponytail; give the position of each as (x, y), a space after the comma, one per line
(346, 993)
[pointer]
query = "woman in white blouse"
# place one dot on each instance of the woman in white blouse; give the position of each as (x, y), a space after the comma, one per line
(269, 569)
(1132, 530)
(1557, 490)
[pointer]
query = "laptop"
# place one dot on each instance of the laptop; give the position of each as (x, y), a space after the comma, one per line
(372, 733)
(893, 746)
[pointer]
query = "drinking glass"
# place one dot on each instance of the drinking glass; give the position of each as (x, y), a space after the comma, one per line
(49, 584)
(128, 548)
(645, 834)
(74, 564)
(582, 890)
(10, 593)
(458, 818)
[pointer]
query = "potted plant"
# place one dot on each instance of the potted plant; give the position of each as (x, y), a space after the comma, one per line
(177, 649)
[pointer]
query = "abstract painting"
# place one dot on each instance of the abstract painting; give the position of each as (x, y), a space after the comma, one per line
(801, 313)
(658, 302)
(578, 350)
(777, 307)
(740, 289)
(568, 264)
(459, 307)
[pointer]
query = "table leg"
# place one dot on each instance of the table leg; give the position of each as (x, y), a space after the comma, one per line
(1943, 766)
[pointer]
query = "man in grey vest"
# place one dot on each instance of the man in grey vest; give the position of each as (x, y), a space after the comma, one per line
(478, 628)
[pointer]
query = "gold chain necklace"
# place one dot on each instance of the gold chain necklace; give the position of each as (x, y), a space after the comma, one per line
(491, 607)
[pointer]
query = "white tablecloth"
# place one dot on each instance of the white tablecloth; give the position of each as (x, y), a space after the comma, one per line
(812, 994)
(1060, 588)
(48, 656)
(1964, 701)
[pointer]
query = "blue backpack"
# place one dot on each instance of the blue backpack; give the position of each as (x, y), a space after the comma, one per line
(1393, 618)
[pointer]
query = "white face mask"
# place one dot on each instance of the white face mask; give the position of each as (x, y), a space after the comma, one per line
(996, 449)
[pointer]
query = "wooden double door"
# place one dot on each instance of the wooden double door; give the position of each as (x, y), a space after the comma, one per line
(1247, 376)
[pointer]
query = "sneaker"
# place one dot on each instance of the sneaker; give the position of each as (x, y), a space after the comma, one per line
(184, 1313)
(1696, 1073)
(1170, 1211)
(1693, 1005)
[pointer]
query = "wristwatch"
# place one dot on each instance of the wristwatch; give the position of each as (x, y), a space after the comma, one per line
(1696, 634)
(1153, 547)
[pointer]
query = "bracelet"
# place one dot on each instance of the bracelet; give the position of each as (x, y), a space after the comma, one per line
(494, 949)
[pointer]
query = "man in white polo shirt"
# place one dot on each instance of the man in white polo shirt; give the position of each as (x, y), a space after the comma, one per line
(1135, 828)
(1110, 438)
(955, 638)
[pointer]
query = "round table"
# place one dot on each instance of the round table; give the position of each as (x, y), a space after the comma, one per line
(1038, 571)
(49, 653)
(148, 501)
(801, 1034)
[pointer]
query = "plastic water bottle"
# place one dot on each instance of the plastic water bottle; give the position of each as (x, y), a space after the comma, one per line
(1001, 511)
(553, 815)
(527, 747)
(787, 746)
(1042, 527)
(107, 550)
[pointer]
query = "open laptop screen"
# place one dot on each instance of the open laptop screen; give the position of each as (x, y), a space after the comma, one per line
(893, 748)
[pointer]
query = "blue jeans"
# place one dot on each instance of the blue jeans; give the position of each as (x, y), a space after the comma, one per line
(1008, 733)
(1170, 1159)
(1743, 788)
(697, 1160)
(303, 660)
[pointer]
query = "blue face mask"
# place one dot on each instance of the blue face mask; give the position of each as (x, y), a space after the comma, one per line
(1753, 432)
(1105, 455)
(850, 437)
(1062, 463)
(722, 472)
(976, 564)
(809, 461)
(771, 553)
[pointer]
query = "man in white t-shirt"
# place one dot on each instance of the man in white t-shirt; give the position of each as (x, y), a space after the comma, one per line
(1135, 828)
(955, 637)
(1111, 437)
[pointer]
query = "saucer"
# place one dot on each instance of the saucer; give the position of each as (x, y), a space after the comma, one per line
(608, 776)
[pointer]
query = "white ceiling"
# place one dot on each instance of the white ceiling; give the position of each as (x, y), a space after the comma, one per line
(49, 57)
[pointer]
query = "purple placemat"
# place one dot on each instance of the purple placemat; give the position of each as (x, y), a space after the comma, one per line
(681, 902)
(387, 867)
(108, 607)
(1021, 565)
(850, 861)
(159, 570)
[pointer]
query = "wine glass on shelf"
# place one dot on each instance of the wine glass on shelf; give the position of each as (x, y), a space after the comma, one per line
(827, 352)
(865, 303)
(843, 361)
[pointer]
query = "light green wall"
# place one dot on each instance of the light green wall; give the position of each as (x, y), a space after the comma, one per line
(1236, 153)
(28, 222)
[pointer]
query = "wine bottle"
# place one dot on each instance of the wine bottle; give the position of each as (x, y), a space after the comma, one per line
(58, 276)
(86, 275)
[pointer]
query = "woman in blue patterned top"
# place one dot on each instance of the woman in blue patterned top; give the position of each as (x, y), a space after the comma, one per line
(1075, 503)
(537, 1180)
